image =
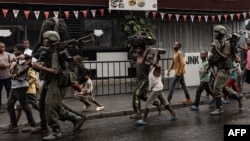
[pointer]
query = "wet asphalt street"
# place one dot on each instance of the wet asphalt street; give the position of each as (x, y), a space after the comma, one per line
(190, 126)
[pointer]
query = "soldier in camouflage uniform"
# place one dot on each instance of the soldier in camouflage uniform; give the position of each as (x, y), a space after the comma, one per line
(53, 102)
(222, 60)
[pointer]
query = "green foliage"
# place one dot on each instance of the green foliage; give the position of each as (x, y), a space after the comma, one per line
(132, 24)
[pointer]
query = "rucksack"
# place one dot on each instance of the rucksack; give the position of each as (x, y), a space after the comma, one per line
(49, 24)
(67, 75)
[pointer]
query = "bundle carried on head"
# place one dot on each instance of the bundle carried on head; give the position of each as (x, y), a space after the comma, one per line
(141, 40)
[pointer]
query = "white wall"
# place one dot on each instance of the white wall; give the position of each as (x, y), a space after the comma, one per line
(110, 69)
(192, 69)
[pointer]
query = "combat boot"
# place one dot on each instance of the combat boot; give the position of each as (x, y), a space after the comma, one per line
(235, 95)
(76, 120)
(238, 97)
(56, 134)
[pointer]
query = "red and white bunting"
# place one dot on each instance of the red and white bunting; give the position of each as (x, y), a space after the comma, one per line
(146, 13)
(199, 18)
(37, 13)
(232, 17)
(192, 18)
(213, 18)
(185, 18)
(206, 18)
(219, 17)
(66, 13)
(26, 14)
(76, 13)
(46, 14)
(244, 14)
(85, 13)
(56, 13)
(177, 17)
(238, 15)
(109, 10)
(5, 12)
(169, 16)
(15, 12)
(162, 15)
(102, 12)
(93, 11)
(225, 17)
(154, 14)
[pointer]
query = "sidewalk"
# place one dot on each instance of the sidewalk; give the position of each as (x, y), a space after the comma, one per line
(115, 105)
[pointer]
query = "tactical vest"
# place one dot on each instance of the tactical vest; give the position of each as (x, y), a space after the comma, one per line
(223, 63)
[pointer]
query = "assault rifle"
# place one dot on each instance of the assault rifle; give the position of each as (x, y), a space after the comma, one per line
(43, 52)
(233, 40)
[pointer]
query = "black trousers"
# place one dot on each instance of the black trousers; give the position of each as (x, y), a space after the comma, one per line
(203, 86)
(20, 95)
(6, 83)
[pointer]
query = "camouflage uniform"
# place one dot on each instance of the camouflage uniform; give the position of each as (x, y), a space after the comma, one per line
(223, 67)
(55, 93)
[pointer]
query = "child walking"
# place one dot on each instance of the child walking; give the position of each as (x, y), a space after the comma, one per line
(156, 87)
(204, 80)
(86, 93)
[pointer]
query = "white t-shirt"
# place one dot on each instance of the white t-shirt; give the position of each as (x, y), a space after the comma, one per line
(155, 83)
(29, 52)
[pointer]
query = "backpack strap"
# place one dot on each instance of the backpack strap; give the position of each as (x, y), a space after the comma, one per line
(227, 44)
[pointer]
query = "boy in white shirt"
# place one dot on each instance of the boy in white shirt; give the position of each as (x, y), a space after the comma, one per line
(156, 88)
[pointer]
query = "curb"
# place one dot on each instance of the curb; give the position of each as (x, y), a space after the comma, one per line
(121, 113)
(130, 111)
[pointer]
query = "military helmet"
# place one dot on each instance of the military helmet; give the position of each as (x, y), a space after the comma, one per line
(51, 35)
(221, 29)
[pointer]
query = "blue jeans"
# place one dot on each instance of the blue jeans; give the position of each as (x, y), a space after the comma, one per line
(181, 79)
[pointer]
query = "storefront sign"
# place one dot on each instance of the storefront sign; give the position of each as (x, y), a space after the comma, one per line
(149, 5)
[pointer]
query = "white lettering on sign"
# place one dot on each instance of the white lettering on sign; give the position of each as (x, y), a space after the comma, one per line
(236, 132)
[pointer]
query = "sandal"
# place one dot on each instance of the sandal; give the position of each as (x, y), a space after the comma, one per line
(140, 122)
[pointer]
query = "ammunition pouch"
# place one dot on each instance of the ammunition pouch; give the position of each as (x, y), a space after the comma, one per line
(213, 59)
(64, 79)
